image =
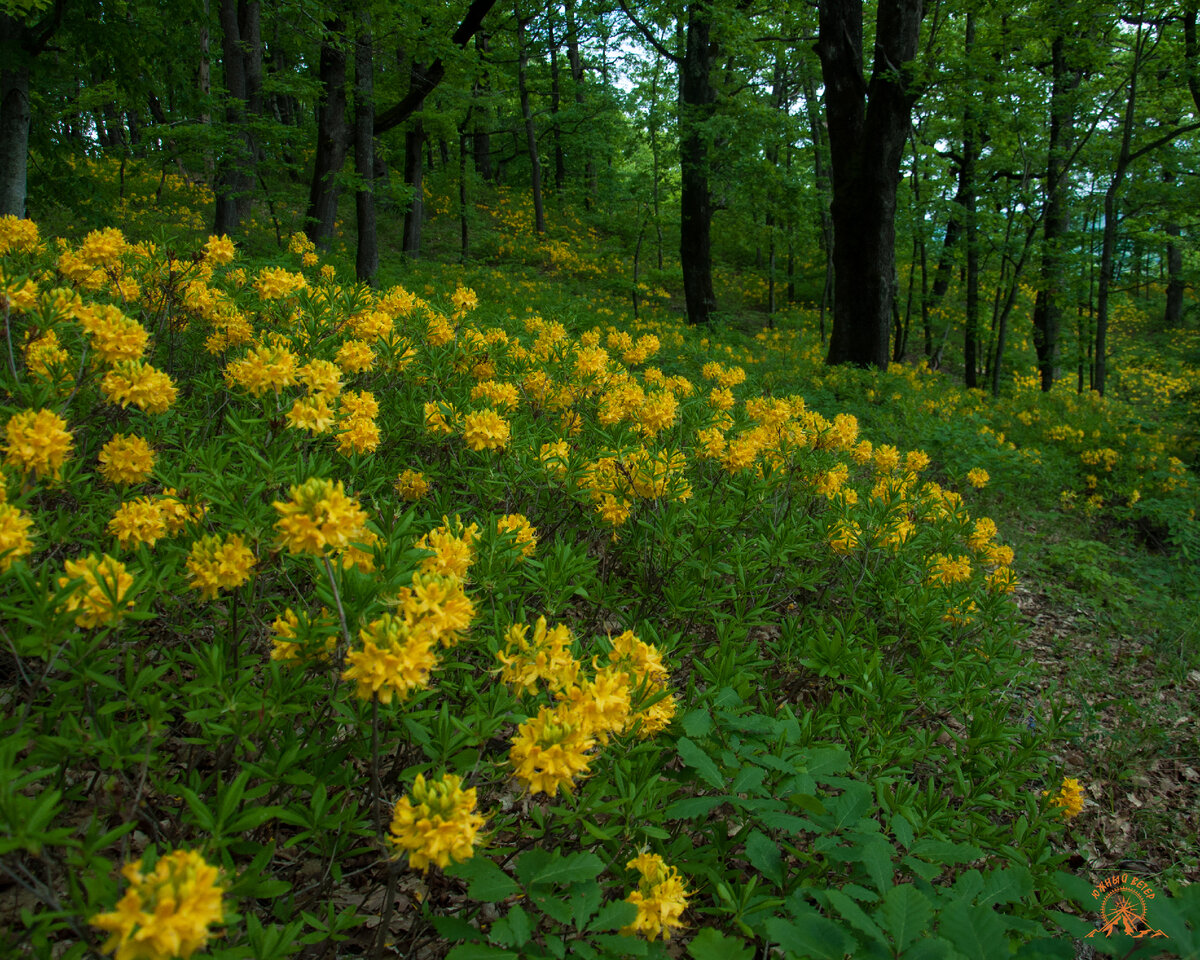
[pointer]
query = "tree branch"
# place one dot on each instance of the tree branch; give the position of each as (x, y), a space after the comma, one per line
(645, 32)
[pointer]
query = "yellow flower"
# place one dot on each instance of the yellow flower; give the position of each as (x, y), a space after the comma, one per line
(550, 750)
(453, 547)
(355, 356)
(393, 661)
(295, 637)
(412, 485)
(522, 533)
(312, 414)
(14, 534)
(114, 336)
(100, 599)
(438, 825)
(977, 477)
(139, 521)
(214, 563)
(37, 441)
(318, 516)
(464, 299)
(1069, 797)
(436, 605)
(166, 913)
(982, 535)
(126, 459)
(844, 536)
(219, 250)
(660, 898)
(544, 656)
(275, 282)
(435, 417)
(887, 459)
(946, 570)
(485, 430)
(358, 435)
(602, 704)
(132, 381)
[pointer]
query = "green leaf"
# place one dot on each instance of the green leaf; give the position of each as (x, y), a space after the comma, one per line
(520, 925)
(701, 762)
(613, 916)
(975, 931)
(696, 723)
(572, 869)
(934, 948)
(763, 854)
(827, 761)
(479, 951)
(905, 913)
(452, 928)
(851, 805)
(853, 914)
(945, 852)
(903, 830)
(1006, 886)
(810, 936)
(710, 944)
(487, 883)
(690, 807)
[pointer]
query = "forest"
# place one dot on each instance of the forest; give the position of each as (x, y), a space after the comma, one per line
(599, 478)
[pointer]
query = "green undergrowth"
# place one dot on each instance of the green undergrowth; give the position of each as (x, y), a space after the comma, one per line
(848, 751)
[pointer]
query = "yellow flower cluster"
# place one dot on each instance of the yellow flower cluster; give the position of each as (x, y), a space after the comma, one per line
(1069, 798)
(438, 824)
(100, 600)
(978, 477)
(14, 533)
(320, 517)
(485, 430)
(412, 485)
(165, 913)
(274, 283)
(394, 659)
(523, 534)
(435, 606)
(132, 381)
(214, 563)
(126, 459)
(295, 637)
(545, 656)
(660, 898)
(18, 236)
(452, 546)
(946, 570)
(37, 442)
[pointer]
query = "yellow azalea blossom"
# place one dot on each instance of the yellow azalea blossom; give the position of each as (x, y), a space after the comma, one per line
(521, 531)
(436, 606)
(412, 485)
(14, 535)
(214, 563)
(294, 636)
(393, 660)
(37, 442)
(660, 898)
(977, 477)
(544, 656)
(453, 548)
(100, 600)
(166, 913)
(126, 459)
(1069, 798)
(320, 516)
(139, 521)
(946, 570)
(437, 824)
(485, 430)
(550, 750)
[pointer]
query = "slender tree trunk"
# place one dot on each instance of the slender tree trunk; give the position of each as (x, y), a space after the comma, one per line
(698, 100)
(1173, 315)
(366, 260)
(463, 211)
(560, 162)
(816, 131)
(535, 162)
(1047, 311)
(233, 174)
(868, 124)
(576, 64)
(414, 176)
(481, 149)
(970, 151)
(655, 185)
(331, 136)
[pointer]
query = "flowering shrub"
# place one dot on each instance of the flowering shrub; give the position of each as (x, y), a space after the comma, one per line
(356, 549)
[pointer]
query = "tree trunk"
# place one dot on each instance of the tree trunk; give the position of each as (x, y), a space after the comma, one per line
(535, 162)
(868, 124)
(698, 100)
(1173, 315)
(414, 170)
(14, 136)
(366, 260)
(970, 152)
(481, 149)
(576, 63)
(234, 169)
(560, 162)
(1047, 311)
(331, 136)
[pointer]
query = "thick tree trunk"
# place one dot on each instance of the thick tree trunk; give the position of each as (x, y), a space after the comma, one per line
(331, 137)
(14, 137)
(366, 260)
(531, 148)
(414, 176)
(233, 168)
(868, 124)
(698, 100)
